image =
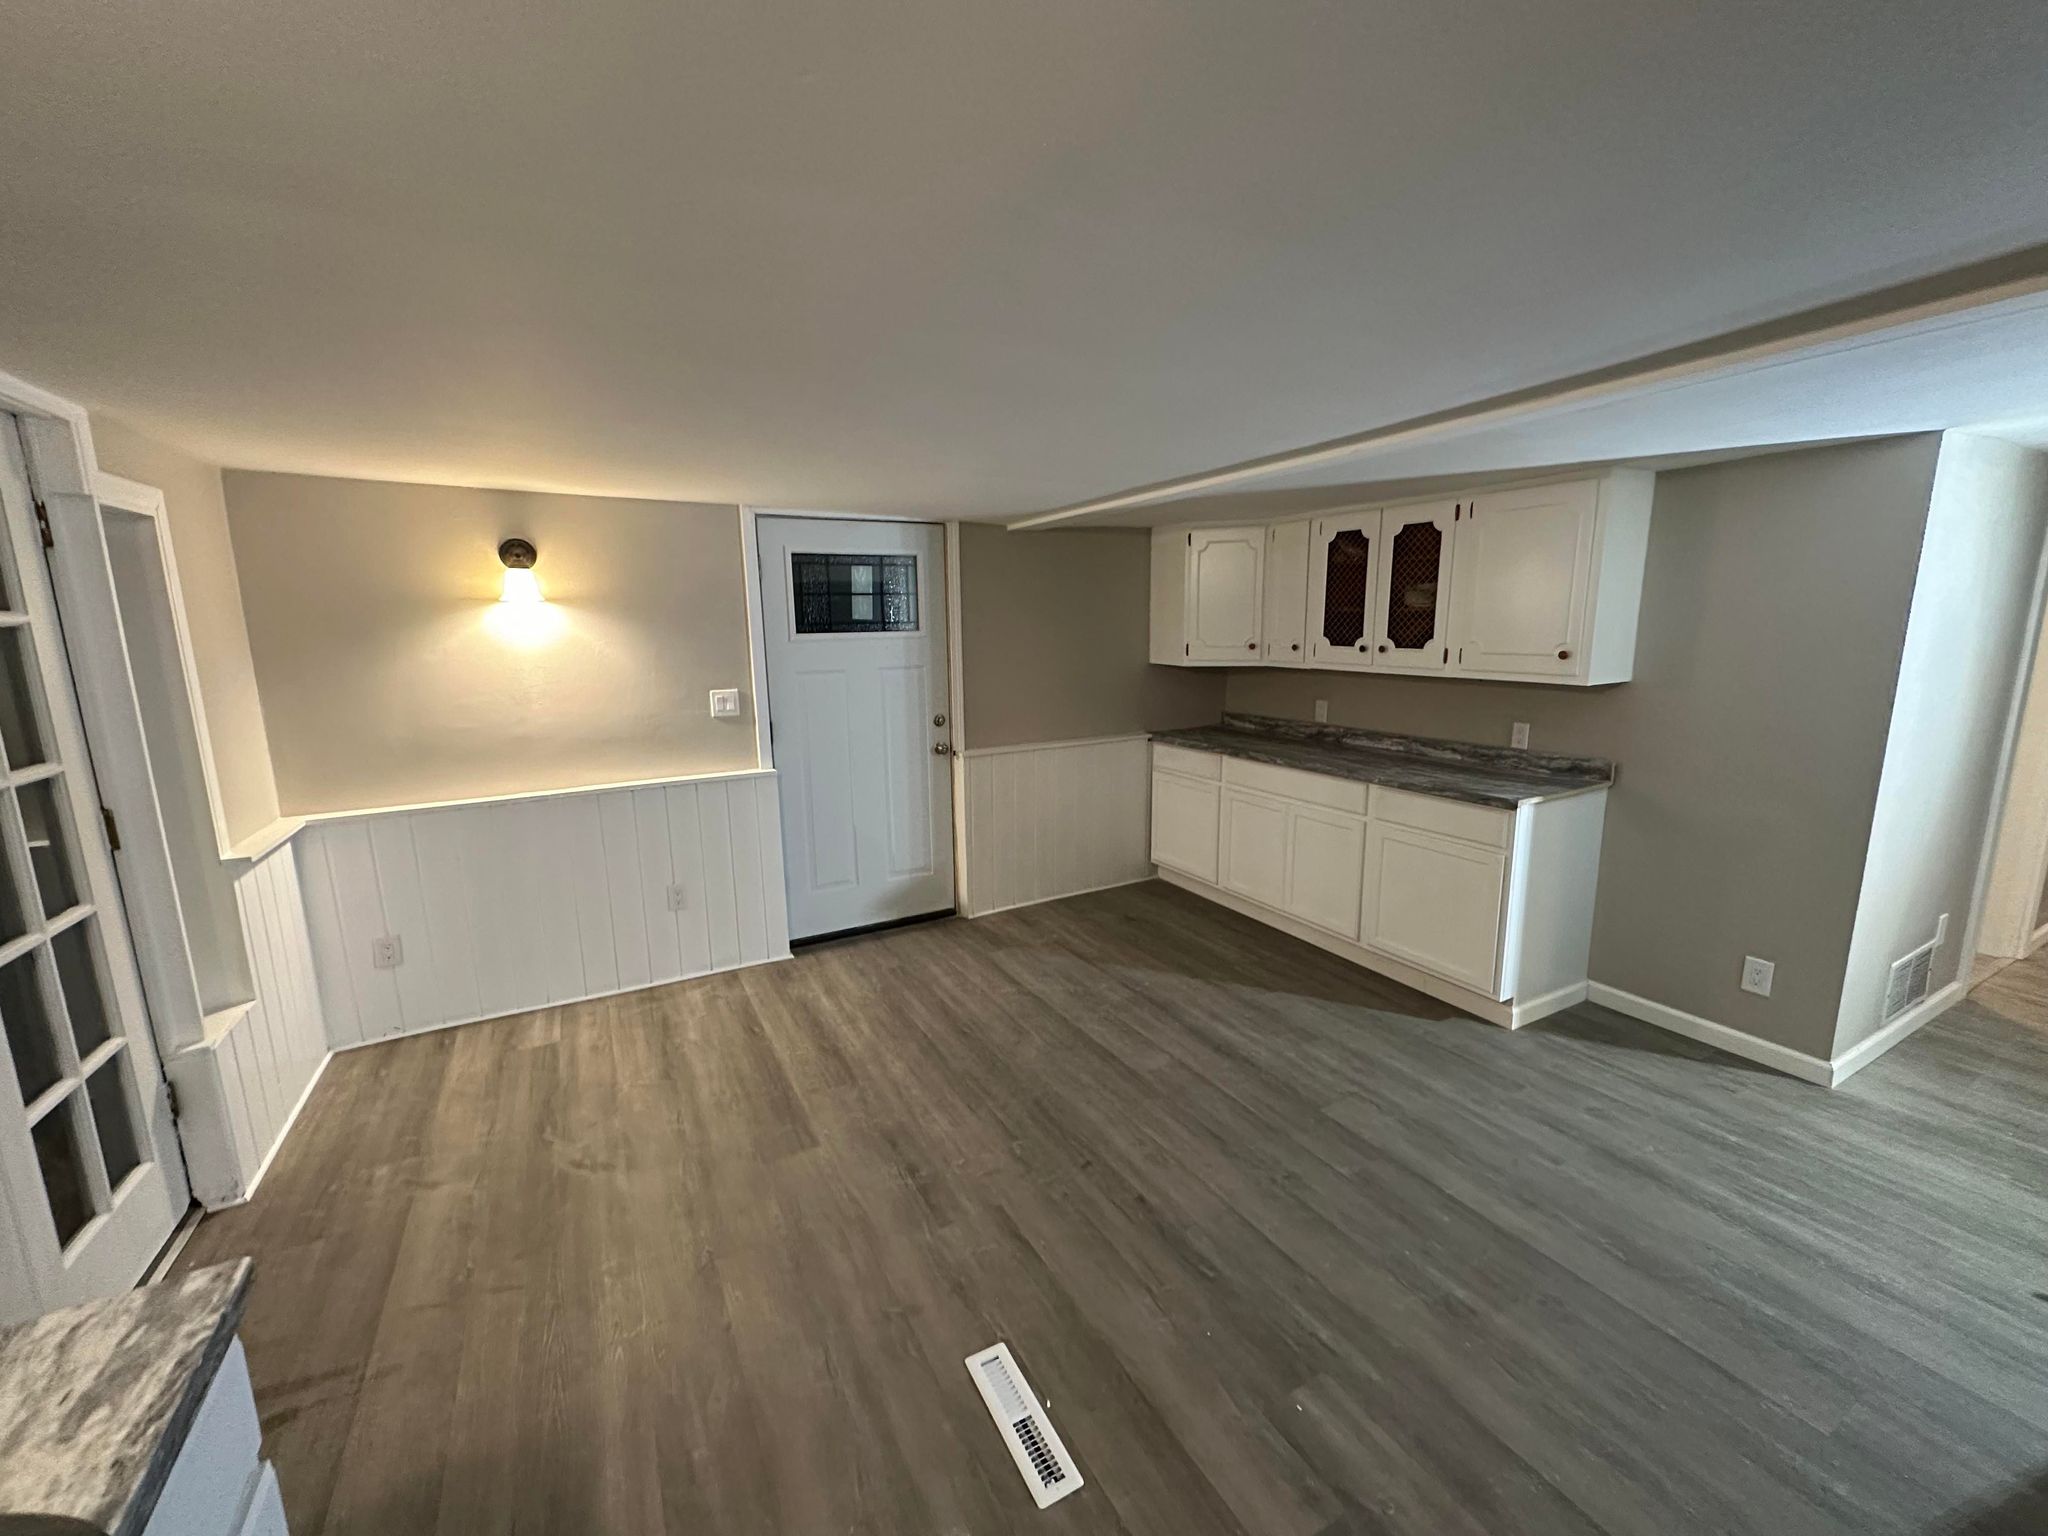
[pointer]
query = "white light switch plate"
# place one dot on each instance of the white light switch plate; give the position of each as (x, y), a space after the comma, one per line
(725, 703)
(1757, 974)
(1519, 737)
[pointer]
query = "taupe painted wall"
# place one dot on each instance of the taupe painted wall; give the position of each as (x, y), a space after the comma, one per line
(1968, 640)
(1750, 741)
(388, 675)
(1055, 634)
(197, 511)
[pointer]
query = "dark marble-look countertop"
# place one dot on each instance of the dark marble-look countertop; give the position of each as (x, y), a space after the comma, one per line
(96, 1400)
(1456, 770)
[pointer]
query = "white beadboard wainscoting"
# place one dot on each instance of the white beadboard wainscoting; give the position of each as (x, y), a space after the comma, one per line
(1055, 819)
(240, 1088)
(499, 906)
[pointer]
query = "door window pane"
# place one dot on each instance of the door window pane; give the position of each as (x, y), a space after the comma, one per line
(854, 594)
(26, 1022)
(119, 1145)
(1414, 565)
(49, 846)
(1346, 575)
(63, 1168)
(13, 901)
(84, 998)
(21, 732)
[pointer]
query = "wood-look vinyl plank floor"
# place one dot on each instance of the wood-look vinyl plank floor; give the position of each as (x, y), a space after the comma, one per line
(1290, 1248)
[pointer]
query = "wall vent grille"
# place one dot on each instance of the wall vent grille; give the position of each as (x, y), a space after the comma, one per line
(1035, 1446)
(1908, 981)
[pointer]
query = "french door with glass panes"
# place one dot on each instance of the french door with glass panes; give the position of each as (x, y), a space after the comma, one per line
(91, 1181)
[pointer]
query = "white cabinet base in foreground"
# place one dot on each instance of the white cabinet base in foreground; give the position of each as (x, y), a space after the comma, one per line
(1512, 1014)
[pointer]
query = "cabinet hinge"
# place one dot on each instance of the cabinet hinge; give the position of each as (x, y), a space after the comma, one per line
(1191, 541)
(1457, 512)
(1447, 654)
(171, 1097)
(43, 526)
(113, 829)
(1187, 650)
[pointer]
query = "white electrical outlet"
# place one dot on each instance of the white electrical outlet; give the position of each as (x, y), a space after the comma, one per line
(1519, 736)
(678, 898)
(387, 953)
(725, 703)
(1757, 974)
(1322, 711)
(1941, 928)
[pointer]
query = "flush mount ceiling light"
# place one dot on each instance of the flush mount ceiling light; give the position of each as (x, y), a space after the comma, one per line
(521, 585)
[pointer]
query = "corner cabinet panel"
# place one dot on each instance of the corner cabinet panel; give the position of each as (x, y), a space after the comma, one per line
(1411, 628)
(1523, 576)
(1325, 859)
(1343, 588)
(1255, 847)
(1184, 821)
(1225, 588)
(1284, 624)
(1435, 902)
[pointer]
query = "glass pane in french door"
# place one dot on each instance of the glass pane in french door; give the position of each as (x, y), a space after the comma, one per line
(92, 1173)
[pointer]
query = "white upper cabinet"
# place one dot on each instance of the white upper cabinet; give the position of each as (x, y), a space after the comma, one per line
(1208, 589)
(1343, 587)
(1539, 584)
(1411, 625)
(1547, 582)
(1284, 624)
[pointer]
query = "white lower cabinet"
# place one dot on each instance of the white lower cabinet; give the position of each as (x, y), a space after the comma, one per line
(1489, 908)
(1436, 902)
(1254, 847)
(1325, 856)
(1184, 824)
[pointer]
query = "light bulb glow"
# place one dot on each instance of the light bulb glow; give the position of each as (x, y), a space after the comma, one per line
(521, 586)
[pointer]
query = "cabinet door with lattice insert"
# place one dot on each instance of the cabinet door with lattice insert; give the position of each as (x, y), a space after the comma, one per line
(1344, 560)
(1410, 629)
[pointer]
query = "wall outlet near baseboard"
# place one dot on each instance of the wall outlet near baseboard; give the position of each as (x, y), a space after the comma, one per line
(1757, 975)
(678, 898)
(1322, 711)
(1519, 736)
(387, 953)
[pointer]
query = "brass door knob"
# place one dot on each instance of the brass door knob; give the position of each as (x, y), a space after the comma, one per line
(940, 749)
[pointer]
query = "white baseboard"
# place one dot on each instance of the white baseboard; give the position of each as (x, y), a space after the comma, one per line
(1550, 1002)
(1864, 1052)
(283, 1131)
(1038, 901)
(1781, 1058)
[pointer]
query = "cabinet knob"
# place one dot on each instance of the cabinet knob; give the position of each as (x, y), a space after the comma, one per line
(1383, 645)
(1295, 646)
(1363, 646)
(1251, 645)
(1564, 655)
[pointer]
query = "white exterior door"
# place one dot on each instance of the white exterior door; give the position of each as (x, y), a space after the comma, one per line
(1343, 584)
(1523, 572)
(91, 1179)
(854, 625)
(1226, 584)
(1411, 628)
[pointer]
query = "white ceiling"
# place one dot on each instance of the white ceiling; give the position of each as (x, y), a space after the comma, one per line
(960, 257)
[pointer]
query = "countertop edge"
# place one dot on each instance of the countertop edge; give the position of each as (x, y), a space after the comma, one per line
(152, 1478)
(1202, 739)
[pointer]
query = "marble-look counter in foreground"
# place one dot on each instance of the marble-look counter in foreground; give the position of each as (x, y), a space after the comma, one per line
(96, 1400)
